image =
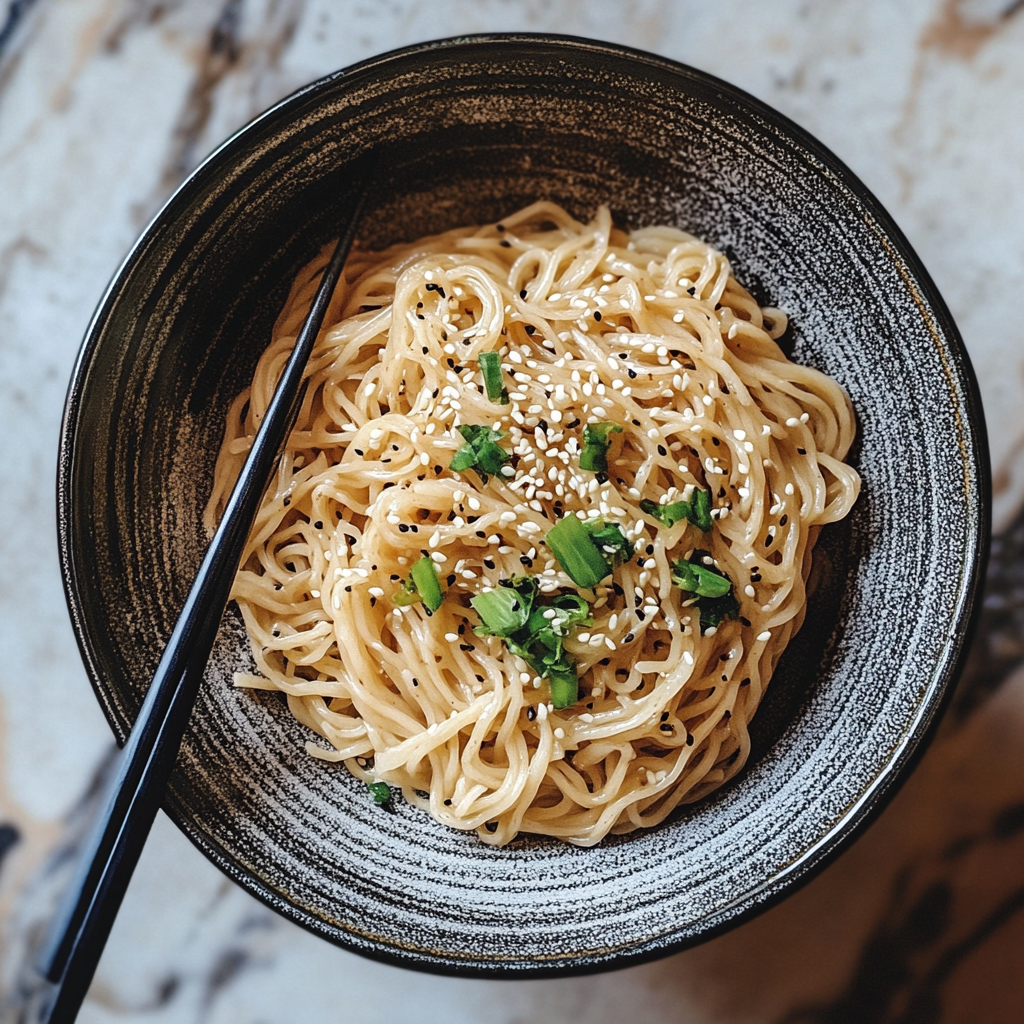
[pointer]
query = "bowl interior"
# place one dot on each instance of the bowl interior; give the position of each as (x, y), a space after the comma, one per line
(465, 132)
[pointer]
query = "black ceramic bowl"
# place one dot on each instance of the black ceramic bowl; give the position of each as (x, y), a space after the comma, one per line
(465, 131)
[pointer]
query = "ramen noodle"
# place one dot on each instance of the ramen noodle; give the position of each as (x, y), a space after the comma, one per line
(544, 524)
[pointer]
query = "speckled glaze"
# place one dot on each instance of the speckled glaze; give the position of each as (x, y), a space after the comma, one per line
(464, 131)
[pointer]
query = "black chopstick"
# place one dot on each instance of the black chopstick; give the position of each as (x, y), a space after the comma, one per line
(76, 939)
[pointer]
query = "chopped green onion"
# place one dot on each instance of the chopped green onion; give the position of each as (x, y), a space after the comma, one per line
(577, 553)
(424, 575)
(700, 506)
(481, 452)
(715, 599)
(700, 580)
(422, 585)
(535, 631)
(610, 541)
(490, 367)
(565, 688)
(594, 455)
(380, 791)
(697, 510)
(506, 610)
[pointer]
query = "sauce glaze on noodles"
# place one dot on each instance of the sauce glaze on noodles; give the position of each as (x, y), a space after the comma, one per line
(648, 330)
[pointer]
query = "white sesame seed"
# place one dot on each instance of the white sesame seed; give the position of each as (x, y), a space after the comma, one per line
(766, 635)
(440, 557)
(749, 590)
(792, 422)
(452, 638)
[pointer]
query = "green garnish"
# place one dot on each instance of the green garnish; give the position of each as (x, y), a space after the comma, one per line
(594, 454)
(490, 367)
(422, 585)
(610, 541)
(481, 451)
(715, 599)
(697, 510)
(535, 630)
(587, 551)
(380, 791)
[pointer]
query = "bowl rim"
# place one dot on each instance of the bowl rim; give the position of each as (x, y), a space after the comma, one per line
(948, 666)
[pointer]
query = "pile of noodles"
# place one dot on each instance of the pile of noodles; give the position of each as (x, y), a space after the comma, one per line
(648, 330)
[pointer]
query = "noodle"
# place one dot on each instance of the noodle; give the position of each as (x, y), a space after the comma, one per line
(647, 331)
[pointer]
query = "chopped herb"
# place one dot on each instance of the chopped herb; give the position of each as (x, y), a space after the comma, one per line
(697, 510)
(587, 551)
(490, 367)
(715, 599)
(481, 451)
(535, 630)
(422, 585)
(594, 454)
(380, 791)
(610, 540)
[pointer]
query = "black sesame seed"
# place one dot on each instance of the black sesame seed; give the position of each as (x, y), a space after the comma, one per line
(505, 244)
(530, 329)
(667, 728)
(531, 713)
(628, 638)
(450, 581)
(522, 293)
(715, 441)
(640, 615)
(801, 451)
(466, 647)
(689, 741)
(597, 315)
(662, 450)
(664, 716)
(783, 520)
(632, 373)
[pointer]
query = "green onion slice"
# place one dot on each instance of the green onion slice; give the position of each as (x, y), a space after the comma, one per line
(579, 556)
(380, 791)
(481, 451)
(422, 585)
(715, 598)
(594, 454)
(490, 367)
(697, 510)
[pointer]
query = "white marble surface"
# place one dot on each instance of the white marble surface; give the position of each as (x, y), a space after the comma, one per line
(106, 104)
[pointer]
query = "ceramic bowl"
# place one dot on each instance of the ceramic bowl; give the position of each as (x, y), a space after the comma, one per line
(464, 131)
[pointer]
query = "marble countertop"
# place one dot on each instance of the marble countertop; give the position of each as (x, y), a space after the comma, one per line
(105, 105)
